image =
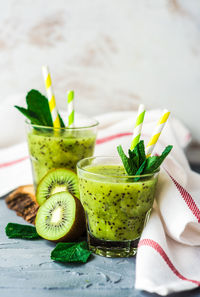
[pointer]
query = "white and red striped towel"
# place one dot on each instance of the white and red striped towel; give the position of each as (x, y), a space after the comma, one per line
(168, 257)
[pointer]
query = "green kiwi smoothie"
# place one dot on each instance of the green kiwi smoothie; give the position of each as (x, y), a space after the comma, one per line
(116, 205)
(58, 149)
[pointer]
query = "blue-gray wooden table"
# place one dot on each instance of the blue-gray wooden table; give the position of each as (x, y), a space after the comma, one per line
(27, 270)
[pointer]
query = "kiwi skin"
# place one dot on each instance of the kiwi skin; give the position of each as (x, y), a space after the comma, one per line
(79, 225)
(39, 201)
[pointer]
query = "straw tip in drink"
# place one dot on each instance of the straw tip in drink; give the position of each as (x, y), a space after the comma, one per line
(45, 68)
(70, 94)
(166, 111)
(141, 106)
(70, 91)
(141, 109)
(166, 114)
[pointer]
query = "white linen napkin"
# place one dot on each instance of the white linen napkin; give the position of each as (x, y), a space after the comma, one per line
(15, 168)
(168, 257)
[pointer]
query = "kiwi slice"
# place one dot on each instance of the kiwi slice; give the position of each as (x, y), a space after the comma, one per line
(60, 218)
(55, 181)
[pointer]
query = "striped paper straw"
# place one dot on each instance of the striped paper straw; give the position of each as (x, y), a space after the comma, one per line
(70, 108)
(51, 97)
(158, 129)
(138, 126)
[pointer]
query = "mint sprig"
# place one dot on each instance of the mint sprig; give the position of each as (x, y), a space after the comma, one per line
(136, 162)
(154, 162)
(129, 164)
(38, 111)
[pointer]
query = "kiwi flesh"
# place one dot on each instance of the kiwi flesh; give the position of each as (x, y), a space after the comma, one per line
(61, 218)
(55, 181)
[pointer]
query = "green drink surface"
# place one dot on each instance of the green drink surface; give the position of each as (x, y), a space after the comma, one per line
(115, 205)
(109, 170)
(58, 150)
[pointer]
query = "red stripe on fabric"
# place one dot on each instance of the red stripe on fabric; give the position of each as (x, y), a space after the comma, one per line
(187, 198)
(158, 248)
(99, 141)
(2, 165)
(109, 138)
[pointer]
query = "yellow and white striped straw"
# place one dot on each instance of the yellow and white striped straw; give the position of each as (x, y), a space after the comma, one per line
(138, 126)
(51, 97)
(158, 129)
(70, 108)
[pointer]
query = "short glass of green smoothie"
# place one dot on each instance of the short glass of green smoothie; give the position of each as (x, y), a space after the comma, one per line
(117, 206)
(51, 148)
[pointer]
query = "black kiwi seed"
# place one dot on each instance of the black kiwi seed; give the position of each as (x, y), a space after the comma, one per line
(55, 181)
(61, 218)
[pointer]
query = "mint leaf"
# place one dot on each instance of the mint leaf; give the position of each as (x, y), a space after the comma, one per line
(62, 124)
(137, 155)
(133, 155)
(71, 252)
(136, 162)
(140, 170)
(127, 162)
(29, 114)
(14, 230)
(141, 152)
(38, 104)
(38, 111)
(154, 162)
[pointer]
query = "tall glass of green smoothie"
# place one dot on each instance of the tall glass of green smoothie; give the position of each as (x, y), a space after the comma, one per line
(59, 147)
(117, 206)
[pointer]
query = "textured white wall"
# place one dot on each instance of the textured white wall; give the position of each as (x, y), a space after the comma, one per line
(114, 53)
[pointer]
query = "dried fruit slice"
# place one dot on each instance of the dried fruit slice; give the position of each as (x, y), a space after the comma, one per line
(55, 181)
(61, 218)
(23, 201)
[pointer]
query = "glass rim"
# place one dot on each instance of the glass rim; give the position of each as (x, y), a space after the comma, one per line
(94, 124)
(115, 176)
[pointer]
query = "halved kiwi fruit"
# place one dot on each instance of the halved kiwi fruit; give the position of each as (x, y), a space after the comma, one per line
(60, 218)
(55, 181)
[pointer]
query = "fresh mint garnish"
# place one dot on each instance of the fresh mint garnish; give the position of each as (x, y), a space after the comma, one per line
(140, 171)
(71, 252)
(38, 111)
(154, 162)
(129, 164)
(62, 124)
(29, 114)
(14, 230)
(136, 162)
